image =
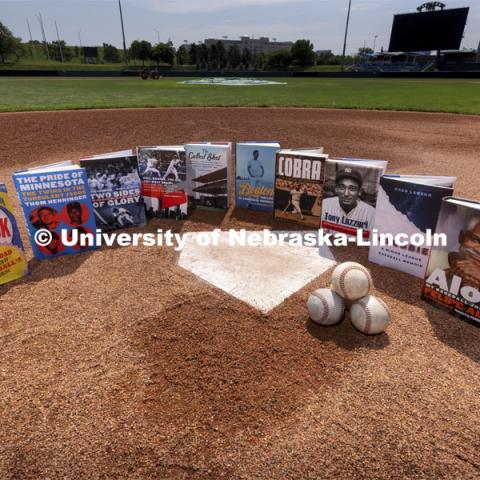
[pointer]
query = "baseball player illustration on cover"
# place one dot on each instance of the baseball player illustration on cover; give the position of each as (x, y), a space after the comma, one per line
(172, 169)
(123, 217)
(346, 207)
(295, 198)
(151, 170)
(255, 167)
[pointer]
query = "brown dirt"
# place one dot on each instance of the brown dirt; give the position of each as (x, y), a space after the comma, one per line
(118, 364)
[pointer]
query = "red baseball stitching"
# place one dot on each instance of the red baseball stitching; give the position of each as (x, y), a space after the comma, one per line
(384, 306)
(368, 315)
(350, 268)
(324, 304)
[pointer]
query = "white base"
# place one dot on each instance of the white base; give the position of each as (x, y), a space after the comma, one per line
(260, 276)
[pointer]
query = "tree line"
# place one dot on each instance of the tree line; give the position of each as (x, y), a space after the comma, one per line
(215, 56)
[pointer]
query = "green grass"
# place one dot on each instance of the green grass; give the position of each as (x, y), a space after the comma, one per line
(24, 94)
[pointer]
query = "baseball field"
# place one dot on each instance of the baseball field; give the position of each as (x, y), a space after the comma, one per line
(120, 364)
(455, 96)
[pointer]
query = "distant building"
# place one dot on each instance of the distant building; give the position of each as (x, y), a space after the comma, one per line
(254, 45)
(323, 52)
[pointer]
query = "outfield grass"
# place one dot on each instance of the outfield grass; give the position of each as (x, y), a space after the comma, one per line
(24, 94)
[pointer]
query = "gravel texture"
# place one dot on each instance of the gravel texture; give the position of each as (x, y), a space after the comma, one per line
(119, 364)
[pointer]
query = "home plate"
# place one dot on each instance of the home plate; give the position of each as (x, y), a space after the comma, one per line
(262, 276)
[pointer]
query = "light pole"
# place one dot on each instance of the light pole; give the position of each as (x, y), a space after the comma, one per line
(374, 42)
(31, 40)
(58, 39)
(158, 35)
(123, 33)
(346, 34)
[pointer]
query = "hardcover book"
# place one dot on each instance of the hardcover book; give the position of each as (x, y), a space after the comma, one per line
(115, 190)
(299, 176)
(163, 173)
(453, 274)
(13, 263)
(408, 205)
(255, 175)
(350, 195)
(55, 199)
(209, 174)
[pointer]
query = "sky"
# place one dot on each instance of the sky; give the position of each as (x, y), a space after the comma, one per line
(321, 21)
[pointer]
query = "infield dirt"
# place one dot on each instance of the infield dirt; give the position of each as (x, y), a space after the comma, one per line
(119, 364)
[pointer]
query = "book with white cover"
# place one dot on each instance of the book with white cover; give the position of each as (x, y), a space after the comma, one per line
(408, 205)
(209, 174)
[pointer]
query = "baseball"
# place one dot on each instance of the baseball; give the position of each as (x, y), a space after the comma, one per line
(370, 315)
(325, 307)
(351, 281)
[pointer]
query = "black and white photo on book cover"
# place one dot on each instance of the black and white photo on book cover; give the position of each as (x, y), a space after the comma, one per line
(115, 190)
(350, 195)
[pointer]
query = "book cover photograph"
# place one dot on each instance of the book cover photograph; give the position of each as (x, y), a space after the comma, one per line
(452, 280)
(350, 195)
(408, 205)
(299, 176)
(115, 190)
(55, 198)
(13, 263)
(208, 174)
(255, 175)
(163, 173)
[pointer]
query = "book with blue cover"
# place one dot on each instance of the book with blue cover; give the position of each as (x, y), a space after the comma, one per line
(255, 175)
(13, 263)
(115, 190)
(408, 205)
(57, 208)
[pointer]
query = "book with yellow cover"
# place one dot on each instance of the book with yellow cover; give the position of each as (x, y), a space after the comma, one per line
(13, 263)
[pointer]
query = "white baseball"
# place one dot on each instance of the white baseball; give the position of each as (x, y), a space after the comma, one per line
(351, 281)
(370, 315)
(325, 307)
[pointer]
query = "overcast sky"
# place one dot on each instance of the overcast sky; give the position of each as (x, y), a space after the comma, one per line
(322, 21)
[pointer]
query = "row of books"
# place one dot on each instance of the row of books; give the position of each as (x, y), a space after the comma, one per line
(305, 186)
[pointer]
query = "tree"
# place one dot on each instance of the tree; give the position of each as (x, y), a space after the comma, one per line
(213, 56)
(141, 50)
(182, 55)
(259, 61)
(362, 52)
(203, 56)
(302, 53)
(280, 59)
(9, 45)
(221, 55)
(234, 56)
(193, 55)
(327, 58)
(246, 58)
(110, 54)
(58, 50)
(163, 53)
